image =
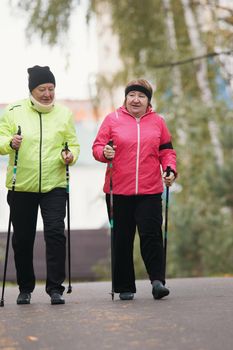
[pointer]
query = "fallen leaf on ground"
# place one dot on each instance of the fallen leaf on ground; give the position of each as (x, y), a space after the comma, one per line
(32, 338)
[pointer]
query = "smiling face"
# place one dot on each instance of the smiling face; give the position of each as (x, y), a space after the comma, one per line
(44, 93)
(136, 103)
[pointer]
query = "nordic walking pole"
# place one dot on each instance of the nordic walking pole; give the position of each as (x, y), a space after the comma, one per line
(110, 143)
(168, 171)
(68, 219)
(9, 223)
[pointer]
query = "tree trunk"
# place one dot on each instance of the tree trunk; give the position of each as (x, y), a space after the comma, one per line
(171, 34)
(202, 76)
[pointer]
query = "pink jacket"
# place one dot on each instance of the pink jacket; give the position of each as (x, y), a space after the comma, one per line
(142, 147)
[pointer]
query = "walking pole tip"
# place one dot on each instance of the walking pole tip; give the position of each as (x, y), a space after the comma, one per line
(69, 290)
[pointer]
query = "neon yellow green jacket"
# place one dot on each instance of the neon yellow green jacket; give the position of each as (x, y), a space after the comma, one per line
(40, 166)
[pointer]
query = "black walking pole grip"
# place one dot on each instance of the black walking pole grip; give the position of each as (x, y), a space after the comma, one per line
(19, 130)
(110, 143)
(69, 289)
(9, 223)
(168, 171)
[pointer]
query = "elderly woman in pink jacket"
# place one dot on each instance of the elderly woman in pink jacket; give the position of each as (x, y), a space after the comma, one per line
(137, 160)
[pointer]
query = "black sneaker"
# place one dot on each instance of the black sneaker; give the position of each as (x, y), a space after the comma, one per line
(57, 298)
(126, 296)
(23, 298)
(159, 290)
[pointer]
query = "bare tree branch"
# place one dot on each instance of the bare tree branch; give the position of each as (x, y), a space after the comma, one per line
(216, 6)
(192, 59)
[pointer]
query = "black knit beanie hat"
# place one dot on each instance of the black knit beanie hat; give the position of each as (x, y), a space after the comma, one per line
(39, 75)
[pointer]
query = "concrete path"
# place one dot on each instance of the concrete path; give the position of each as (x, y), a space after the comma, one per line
(197, 315)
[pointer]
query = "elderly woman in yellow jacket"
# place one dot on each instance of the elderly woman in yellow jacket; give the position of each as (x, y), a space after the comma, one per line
(41, 179)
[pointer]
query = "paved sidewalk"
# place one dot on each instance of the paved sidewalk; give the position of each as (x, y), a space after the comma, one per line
(197, 315)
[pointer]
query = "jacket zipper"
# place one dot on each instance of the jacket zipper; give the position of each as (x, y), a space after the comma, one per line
(138, 151)
(40, 152)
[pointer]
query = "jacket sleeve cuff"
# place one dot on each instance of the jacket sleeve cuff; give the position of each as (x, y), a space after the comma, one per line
(7, 149)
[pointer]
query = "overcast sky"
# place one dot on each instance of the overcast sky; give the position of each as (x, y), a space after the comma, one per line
(17, 55)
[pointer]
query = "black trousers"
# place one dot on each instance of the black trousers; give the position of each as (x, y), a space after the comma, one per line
(24, 210)
(145, 212)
